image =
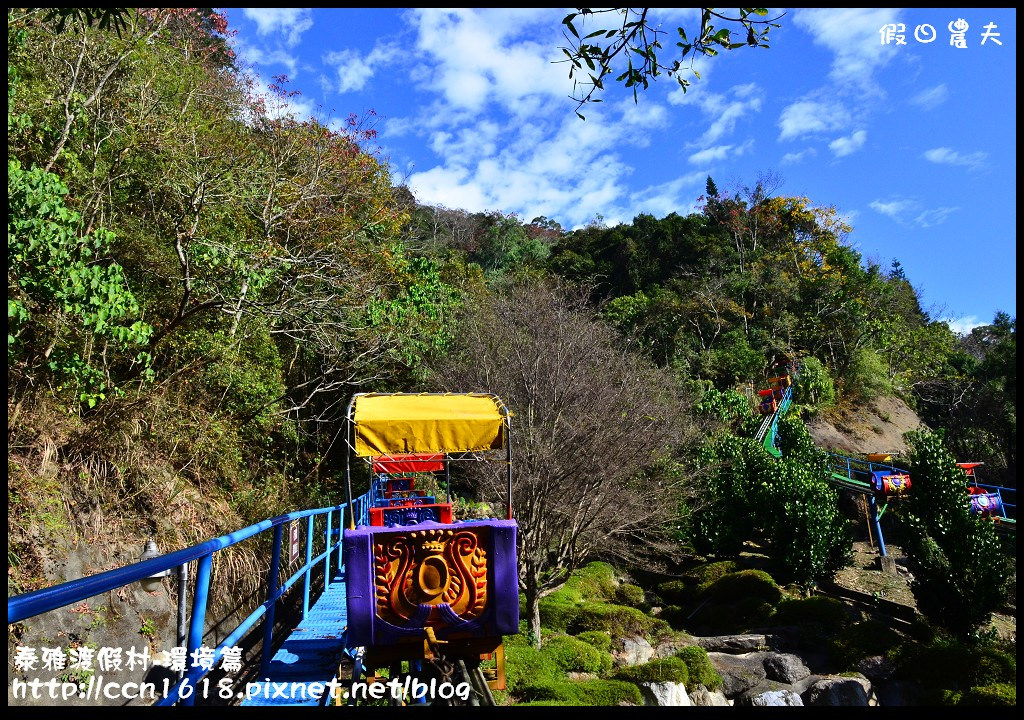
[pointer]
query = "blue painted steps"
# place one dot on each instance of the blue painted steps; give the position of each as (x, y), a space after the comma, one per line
(310, 654)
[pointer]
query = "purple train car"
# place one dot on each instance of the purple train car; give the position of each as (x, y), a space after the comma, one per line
(420, 590)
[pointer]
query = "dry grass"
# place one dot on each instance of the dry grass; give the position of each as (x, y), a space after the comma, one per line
(68, 483)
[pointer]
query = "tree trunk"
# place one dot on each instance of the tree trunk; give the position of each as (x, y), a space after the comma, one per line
(532, 595)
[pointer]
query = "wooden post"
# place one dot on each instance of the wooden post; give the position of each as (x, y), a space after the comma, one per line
(867, 519)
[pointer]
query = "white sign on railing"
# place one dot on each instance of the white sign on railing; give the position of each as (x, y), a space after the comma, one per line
(293, 541)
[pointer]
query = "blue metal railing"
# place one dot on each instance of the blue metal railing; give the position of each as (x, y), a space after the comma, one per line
(1009, 510)
(35, 603)
(860, 470)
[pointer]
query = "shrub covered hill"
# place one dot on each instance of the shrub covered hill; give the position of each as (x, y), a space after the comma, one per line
(198, 282)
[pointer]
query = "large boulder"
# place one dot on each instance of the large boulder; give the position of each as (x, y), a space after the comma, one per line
(664, 694)
(735, 643)
(635, 651)
(786, 668)
(840, 692)
(703, 697)
(672, 645)
(739, 672)
(771, 698)
(875, 668)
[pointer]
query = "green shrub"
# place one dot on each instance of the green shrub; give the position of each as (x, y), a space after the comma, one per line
(962, 575)
(618, 620)
(527, 668)
(601, 640)
(670, 669)
(867, 376)
(951, 664)
(704, 575)
(700, 669)
(994, 666)
(594, 581)
(558, 612)
(814, 387)
(997, 694)
(675, 592)
(631, 595)
(817, 610)
(546, 703)
(587, 693)
(593, 693)
(862, 640)
(572, 655)
(745, 584)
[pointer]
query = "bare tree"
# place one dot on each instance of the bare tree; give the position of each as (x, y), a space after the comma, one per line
(588, 417)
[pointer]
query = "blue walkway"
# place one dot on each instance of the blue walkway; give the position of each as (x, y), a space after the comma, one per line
(310, 654)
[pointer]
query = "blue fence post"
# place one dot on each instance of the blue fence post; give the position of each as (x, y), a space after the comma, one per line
(195, 634)
(878, 525)
(327, 547)
(268, 621)
(309, 558)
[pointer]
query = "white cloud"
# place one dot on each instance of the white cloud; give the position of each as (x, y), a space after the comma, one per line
(291, 22)
(948, 156)
(720, 152)
(937, 216)
(727, 113)
(931, 97)
(892, 208)
(852, 34)
(674, 196)
(560, 168)
(505, 138)
(696, 91)
(963, 325)
(252, 55)
(479, 56)
(354, 71)
(806, 117)
(790, 158)
(844, 146)
(901, 210)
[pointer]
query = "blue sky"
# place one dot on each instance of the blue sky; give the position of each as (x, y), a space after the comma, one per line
(914, 144)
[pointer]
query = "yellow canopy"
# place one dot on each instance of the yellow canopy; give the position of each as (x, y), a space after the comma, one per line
(386, 424)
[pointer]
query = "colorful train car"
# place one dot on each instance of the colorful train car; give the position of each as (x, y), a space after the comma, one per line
(421, 585)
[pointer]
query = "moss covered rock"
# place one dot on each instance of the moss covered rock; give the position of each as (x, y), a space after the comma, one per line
(599, 639)
(818, 609)
(618, 620)
(593, 582)
(570, 654)
(700, 669)
(588, 693)
(631, 595)
(527, 668)
(676, 592)
(997, 694)
(703, 575)
(745, 584)
(671, 669)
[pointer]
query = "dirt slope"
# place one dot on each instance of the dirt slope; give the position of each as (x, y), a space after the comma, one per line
(876, 427)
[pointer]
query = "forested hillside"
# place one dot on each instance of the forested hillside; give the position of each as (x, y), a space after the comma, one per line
(198, 282)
